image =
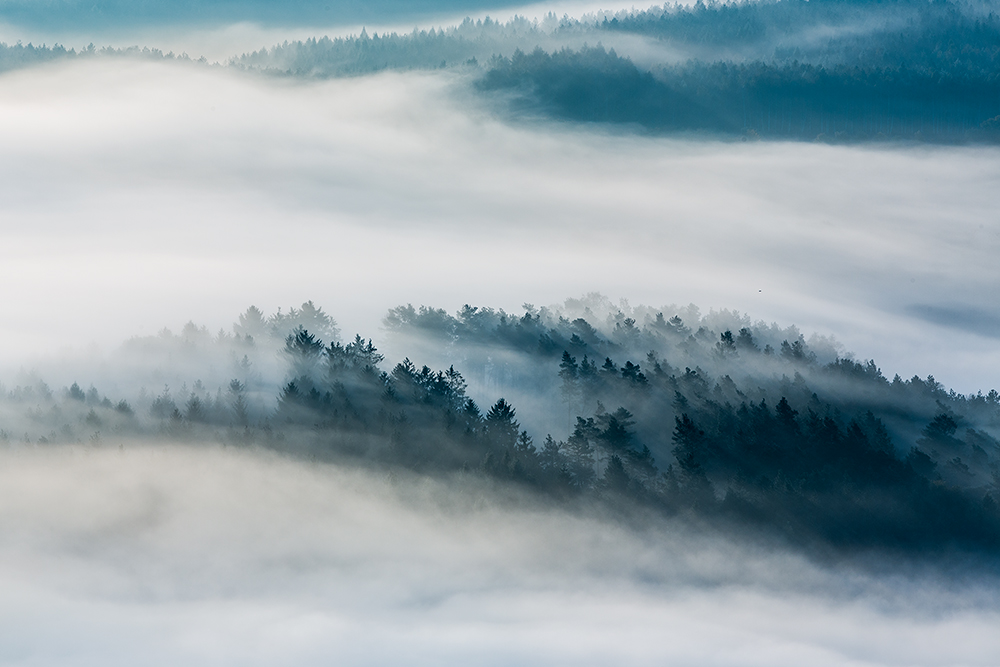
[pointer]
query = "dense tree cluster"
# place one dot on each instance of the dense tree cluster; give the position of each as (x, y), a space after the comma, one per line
(942, 36)
(830, 450)
(788, 100)
(750, 425)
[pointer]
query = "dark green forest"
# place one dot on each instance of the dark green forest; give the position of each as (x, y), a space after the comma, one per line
(750, 428)
(756, 100)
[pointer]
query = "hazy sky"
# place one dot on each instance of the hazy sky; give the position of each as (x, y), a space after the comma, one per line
(101, 14)
(140, 195)
(204, 556)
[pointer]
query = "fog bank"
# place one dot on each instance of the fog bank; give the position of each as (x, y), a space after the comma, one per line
(207, 555)
(142, 195)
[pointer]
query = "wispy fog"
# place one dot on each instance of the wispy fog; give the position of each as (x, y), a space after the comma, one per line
(169, 555)
(141, 195)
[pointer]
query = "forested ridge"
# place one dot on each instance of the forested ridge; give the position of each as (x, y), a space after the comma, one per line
(833, 70)
(827, 70)
(756, 100)
(744, 424)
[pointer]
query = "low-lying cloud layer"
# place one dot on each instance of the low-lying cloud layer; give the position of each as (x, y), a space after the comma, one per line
(209, 556)
(138, 195)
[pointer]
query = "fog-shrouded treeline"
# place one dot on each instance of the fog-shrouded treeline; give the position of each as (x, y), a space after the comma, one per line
(757, 100)
(789, 69)
(18, 55)
(715, 416)
(462, 45)
(834, 70)
(947, 37)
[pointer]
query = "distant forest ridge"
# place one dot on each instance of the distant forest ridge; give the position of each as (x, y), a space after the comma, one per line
(834, 70)
(831, 70)
(752, 100)
(715, 416)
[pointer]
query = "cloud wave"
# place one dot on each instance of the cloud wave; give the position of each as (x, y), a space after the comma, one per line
(207, 555)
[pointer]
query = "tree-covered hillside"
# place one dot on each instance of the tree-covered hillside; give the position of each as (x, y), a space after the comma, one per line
(832, 70)
(828, 70)
(740, 423)
(789, 101)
